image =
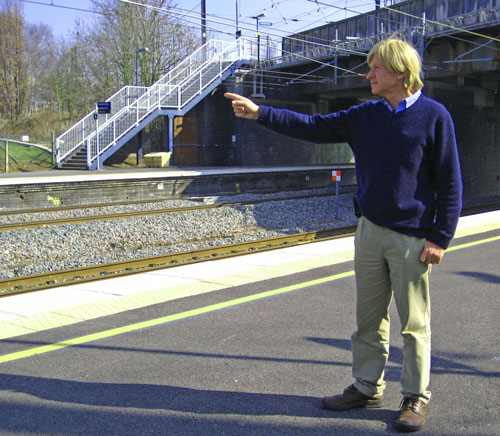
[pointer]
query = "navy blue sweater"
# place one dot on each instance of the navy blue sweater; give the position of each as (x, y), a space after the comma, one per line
(407, 165)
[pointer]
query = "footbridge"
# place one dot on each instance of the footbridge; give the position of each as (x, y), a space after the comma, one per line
(97, 136)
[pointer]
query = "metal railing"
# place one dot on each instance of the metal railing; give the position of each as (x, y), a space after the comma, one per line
(79, 133)
(131, 104)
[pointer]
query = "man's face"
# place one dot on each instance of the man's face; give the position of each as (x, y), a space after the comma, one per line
(383, 81)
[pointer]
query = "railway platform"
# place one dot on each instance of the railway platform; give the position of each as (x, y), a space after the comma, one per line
(56, 188)
(244, 346)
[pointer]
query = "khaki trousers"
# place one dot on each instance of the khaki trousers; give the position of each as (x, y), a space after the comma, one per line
(387, 264)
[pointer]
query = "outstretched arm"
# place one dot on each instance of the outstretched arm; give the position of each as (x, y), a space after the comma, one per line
(243, 107)
(313, 128)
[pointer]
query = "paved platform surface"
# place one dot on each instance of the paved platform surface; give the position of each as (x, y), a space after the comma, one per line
(244, 346)
(59, 176)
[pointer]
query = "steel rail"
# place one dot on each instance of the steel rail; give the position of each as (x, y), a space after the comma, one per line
(164, 211)
(54, 279)
(134, 214)
(87, 206)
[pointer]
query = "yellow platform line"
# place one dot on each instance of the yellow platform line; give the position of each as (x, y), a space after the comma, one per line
(67, 316)
(472, 244)
(166, 319)
(113, 305)
(191, 313)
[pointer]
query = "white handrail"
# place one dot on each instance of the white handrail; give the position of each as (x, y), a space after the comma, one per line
(159, 95)
(132, 104)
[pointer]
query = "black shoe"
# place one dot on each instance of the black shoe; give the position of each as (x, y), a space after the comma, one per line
(350, 399)
(412, 414)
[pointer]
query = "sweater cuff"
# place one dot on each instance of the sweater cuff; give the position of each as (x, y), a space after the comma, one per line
(439, 239)
(263, 114)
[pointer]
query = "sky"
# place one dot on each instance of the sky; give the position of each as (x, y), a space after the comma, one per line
(282, 17)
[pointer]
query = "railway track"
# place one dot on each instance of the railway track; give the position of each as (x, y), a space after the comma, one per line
(115, 269)
(52, 279)
(124, 215)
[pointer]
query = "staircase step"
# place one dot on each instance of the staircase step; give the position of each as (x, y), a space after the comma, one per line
(193, 86)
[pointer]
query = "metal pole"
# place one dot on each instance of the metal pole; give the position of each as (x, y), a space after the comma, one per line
(53, 147)
(203, 22)
(258, 42)
(237, 25)
(6, 156)
(96, 116)
(139, 148)
(337, 200)
(422, 41)
(337, 177)
(336, 70)
(171, 135)
(136, 67)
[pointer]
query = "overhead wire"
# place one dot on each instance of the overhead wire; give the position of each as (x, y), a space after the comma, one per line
(448, 26)
(317, 2)
(390, 20)
(300, 16)
(189, 16)
(279, 11)
(319, 9)
(57, 6)
(459, 30)
(417, 18)
(178, 12)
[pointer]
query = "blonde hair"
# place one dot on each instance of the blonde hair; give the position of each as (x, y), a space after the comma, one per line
(399, 56)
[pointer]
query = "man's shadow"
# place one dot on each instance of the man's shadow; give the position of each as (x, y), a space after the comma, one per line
(111, 401)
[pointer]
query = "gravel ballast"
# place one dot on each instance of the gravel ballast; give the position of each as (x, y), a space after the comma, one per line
(39, 250)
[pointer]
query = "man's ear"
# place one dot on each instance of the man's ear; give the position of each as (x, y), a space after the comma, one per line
(404, 78)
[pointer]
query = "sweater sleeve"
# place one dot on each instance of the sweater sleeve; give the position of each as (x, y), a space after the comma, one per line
(448, 182)
(313, 128)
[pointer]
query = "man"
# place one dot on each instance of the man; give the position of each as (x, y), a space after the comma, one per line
(409, 196)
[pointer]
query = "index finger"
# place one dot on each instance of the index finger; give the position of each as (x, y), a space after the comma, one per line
(232, 96)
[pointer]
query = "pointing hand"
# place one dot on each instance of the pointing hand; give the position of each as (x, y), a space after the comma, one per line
(243, 107)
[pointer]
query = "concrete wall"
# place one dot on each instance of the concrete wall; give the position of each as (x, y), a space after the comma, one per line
(224, 140)
(258, 146)
(476, 113)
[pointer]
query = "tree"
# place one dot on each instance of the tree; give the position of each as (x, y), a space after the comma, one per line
(38, 72)
(121, 29)
(13, 75)
(40, 61)
(69, 83)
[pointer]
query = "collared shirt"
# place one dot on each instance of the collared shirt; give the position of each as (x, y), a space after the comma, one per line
(404, 104)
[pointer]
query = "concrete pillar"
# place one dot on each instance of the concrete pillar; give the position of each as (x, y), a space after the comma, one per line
(164, 135)
(139, 148)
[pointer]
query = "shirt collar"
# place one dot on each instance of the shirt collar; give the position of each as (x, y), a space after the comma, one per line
(406, 103)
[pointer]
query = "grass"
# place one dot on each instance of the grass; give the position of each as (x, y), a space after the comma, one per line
(25, 158)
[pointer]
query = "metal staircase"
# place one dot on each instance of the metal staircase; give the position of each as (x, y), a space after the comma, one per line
(95, 137)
